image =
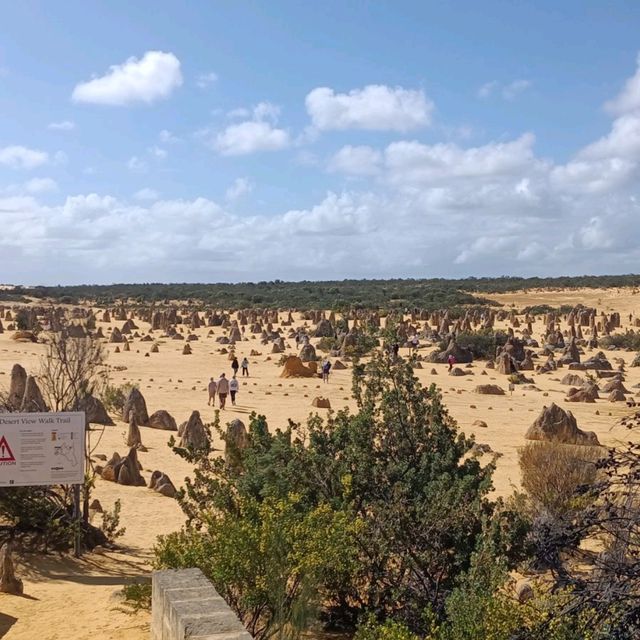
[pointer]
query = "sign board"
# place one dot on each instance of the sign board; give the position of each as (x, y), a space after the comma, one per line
(41, 449)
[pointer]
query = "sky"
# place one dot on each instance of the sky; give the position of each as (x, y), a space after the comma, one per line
(245, 141)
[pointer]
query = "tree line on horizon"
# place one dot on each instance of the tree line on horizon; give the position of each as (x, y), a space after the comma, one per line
(431, 293)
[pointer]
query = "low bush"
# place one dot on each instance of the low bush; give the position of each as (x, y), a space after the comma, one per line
(114, 396)
(553, 475)
(327, 344)
(629, 341)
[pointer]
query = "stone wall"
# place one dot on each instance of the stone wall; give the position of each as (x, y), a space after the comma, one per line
(185, 605)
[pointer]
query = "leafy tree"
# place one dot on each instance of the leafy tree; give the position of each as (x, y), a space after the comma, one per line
(396, 477)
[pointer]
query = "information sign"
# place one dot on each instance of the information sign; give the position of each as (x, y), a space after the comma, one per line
(41, 449)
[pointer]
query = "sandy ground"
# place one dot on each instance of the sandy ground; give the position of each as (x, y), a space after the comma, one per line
(68, 598)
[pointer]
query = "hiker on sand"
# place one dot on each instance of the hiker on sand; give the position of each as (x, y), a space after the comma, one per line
(234, 385)
(245, 367)
(223, 390)
(235, 366)
(451, 360)
(213, 387)
(326, 368)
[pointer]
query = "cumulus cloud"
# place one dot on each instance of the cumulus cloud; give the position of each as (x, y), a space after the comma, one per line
(356, 161)
(374, 107)
(19, 157)
(146, 80)
(447, 209)
(629, 98)
(252, 136)
(239, 188)
(64, 125)
(417, 163)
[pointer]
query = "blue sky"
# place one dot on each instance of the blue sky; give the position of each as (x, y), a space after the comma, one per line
(158, 141)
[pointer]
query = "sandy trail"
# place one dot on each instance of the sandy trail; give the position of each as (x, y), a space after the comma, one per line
(68, 598)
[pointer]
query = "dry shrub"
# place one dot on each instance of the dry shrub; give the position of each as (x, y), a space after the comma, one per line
(553, 474)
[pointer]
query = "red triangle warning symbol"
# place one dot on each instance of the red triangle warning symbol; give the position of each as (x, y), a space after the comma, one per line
(6, 455)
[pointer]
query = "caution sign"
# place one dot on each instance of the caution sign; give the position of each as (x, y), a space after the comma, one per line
(42, 449)
(6, 455)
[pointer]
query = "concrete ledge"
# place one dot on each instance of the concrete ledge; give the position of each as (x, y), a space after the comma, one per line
(184, 605)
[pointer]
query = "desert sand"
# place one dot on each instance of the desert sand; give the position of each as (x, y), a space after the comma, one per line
(68, 598)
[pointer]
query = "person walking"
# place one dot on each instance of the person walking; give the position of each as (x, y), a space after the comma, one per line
(235, 366)
(213, 387)
(326, 368)
(451, 360)
(223, 390)
(234, 385)
(245, 367)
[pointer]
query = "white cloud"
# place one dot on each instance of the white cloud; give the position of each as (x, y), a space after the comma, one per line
(356, 161)
(449, 209)
(239, 188)
(167, 137)
(146, 194)
(416, 163)
(509, 91)
(40, 185)
(135, 164)
(375, 107)
(64, 125)
(628, 99)
(251, 137)
(515, 88)
(205, 80)
(158, 152)
(487, 89)
(258, 134)
(147, 80)
(19, 157)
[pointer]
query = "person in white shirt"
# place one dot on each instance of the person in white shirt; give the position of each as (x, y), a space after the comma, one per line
(234, 385)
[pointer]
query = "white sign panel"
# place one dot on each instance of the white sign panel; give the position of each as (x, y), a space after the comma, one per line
(41, 449)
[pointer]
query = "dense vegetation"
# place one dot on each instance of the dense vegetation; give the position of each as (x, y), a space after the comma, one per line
(408, 293)
(380, 522)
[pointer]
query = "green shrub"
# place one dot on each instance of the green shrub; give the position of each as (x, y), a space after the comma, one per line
(482, 344)
(137, 596)
(383, 489)
(111, 522)
(114, 396)
(327, 344)
(629, 341)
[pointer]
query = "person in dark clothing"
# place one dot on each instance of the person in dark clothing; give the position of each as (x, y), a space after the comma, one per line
(235, 366)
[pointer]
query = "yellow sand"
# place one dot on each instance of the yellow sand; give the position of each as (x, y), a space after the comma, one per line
(67, 598)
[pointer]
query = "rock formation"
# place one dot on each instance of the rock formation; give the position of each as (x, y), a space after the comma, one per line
(293, 368)
(235, 440)
(134, 438)
(161, 483)
(9, 583)
(321, 403)
(556, 425)
(489, 390)
(32, 401)
(193, 434)
(162, 419)
(135, 404)
(17, 386)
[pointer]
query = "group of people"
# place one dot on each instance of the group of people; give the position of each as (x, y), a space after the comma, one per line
(224, 386)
